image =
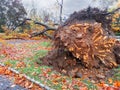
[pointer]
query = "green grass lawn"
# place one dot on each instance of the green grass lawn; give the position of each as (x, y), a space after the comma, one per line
(41, 73)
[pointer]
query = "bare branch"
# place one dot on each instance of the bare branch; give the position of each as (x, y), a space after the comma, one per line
(41, 32)
(111, 12)
(45, 25)
(58, 2)
(49, 36)
(47, 28)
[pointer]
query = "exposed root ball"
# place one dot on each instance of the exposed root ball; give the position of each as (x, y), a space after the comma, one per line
(82, 46)
(87, 43)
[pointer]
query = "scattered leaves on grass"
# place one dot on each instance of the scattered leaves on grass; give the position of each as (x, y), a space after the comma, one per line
(22, 56)
(19, 79)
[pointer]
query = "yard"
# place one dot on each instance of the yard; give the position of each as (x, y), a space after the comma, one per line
(60, 45)
(23, 56)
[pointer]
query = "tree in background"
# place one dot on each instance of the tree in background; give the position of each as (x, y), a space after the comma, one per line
(12, 13)
(105, 4)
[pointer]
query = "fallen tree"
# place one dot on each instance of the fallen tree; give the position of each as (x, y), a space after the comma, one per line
(87, 14)
(42, 32)
(47, 28)
(82, 44)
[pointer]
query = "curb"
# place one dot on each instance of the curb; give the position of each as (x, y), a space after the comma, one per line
(32, 80)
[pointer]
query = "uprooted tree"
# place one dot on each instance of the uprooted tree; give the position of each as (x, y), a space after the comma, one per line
(84, 41)
(82, 44)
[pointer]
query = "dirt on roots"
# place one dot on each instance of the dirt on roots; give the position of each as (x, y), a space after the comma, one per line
(83, 48)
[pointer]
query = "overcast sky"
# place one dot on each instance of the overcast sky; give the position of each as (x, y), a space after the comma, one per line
(69, 5)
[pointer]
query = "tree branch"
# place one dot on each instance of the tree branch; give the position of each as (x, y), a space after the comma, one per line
(58, 2)
(45, 25)
(49, 36)
(47, 28)
(111, 12)
(41, 32)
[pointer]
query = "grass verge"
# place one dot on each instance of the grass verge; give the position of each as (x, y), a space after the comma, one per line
(30, 54)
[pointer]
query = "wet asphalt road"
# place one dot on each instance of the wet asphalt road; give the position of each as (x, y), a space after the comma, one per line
(6, 84)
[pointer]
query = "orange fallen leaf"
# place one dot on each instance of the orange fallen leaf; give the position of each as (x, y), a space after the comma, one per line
(55, 82)
(110, 88)
(64, 87)
(20, 64)
(110, 80)
(7, 72)
(101, 84)
(27, 84)
(83, 88)
(117, 83)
